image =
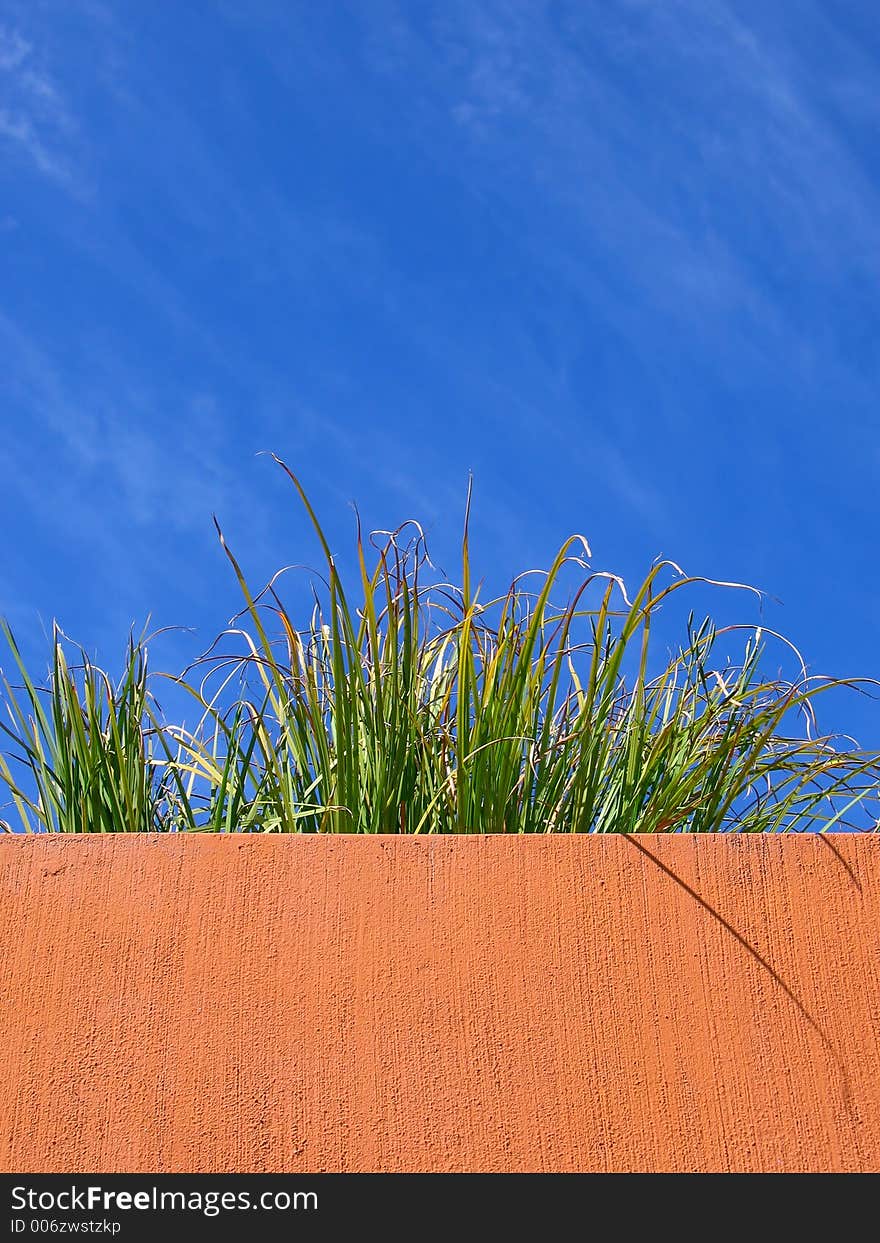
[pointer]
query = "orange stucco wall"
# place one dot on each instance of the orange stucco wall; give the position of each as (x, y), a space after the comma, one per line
(482, 1003)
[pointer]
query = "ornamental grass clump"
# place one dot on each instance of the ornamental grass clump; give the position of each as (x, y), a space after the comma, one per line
(82, 748)
(408, 704)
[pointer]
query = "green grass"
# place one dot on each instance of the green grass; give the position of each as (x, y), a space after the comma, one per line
(82, 748)
(405, 704)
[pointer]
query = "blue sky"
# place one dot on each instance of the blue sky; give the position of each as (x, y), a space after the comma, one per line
(620, 259)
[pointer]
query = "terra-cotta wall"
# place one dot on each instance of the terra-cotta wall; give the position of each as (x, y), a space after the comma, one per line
(482, 1003)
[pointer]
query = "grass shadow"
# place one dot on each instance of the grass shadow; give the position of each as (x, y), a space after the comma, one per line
(838, 854)
(846, 1089)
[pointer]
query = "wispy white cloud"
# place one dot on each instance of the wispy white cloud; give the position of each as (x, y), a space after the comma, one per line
(14, 50)
(157, 467)
(35, 119)
(680, 137)
(116, 480)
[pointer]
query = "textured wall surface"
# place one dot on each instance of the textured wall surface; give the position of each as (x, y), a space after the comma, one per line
(481, 1003)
